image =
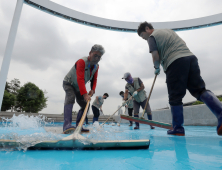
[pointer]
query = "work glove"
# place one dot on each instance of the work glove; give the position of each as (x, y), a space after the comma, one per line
(124, 103)
(135, 93)
(157, 71)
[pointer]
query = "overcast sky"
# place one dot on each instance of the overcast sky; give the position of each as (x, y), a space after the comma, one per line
(46, 47)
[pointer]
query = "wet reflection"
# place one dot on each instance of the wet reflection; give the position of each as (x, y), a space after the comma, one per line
(182, 156)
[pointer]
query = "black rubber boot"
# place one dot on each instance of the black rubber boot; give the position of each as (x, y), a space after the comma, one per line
(177, 116)
(150, 118)
(214, 104)
(137, 124)
(131, 123)
(67, 126)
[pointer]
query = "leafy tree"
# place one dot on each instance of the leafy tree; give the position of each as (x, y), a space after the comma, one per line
(14, 86)
(30, 98)
(8, 101)
(7, 87)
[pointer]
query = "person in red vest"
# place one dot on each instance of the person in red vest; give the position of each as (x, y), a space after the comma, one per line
(83, 71)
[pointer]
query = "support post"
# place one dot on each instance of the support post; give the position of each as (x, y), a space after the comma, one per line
(9, 48)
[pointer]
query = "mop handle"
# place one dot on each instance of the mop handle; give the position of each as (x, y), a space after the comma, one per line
(79, 128)
(117, 110)
(124, 114)
(149, 95)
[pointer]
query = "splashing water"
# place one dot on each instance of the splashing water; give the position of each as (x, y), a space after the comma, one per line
(25, 122)
(103, 133)
(26, 130)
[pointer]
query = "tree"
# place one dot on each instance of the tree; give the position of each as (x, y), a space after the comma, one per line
(7, 87)
(30, 98)
(8, 101)
(14, 86)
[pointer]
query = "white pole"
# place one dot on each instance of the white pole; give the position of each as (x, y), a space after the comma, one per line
(9, 48)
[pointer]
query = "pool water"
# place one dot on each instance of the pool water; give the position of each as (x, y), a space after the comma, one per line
(201, 148)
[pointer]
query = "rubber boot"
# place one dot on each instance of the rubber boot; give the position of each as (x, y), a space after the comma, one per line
(131, 123)
(95, 119)
(214, 104)
(137, 124)
(67, 126)
(150, 118)
(177, 115)
(79, 116)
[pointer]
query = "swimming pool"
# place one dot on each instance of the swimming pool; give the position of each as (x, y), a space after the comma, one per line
(201, 148)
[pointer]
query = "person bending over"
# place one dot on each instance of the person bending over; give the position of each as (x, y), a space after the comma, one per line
(97, 104)
(182, 72)
(84, 70)
(136, 88)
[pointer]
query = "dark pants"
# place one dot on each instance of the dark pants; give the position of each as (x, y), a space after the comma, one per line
(71, 96)
(182, 74)
(95, 111)
(130, 112)
(136, 106)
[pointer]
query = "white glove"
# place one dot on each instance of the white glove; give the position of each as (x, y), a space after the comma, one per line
(135, 93)
(157, 71)
(124, 103)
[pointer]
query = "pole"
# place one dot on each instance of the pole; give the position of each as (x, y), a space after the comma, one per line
(9, 48)
(148, 97)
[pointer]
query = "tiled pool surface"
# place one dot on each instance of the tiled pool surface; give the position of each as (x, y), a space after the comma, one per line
(201, 148)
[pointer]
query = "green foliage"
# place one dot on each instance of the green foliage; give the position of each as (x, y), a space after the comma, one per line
(220, 98)
(199, 102)
(14, 86)
(30, 99)
(73, 113)
(7, 87)
(8, 101)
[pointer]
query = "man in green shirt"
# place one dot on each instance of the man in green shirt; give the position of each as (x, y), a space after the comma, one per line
(182, 72)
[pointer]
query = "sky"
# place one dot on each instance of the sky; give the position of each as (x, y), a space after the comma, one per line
(46, 47)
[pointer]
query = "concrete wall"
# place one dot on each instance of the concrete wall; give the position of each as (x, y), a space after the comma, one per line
(197, 115)
(54, 117)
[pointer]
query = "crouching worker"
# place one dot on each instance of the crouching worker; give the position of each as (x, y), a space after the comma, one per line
(129, 105)
(97, 104)
(136, 88)
(84, 70)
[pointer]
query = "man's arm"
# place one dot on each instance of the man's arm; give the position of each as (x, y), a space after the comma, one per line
(156, 62)
(80, 73)
(93, 83)
(126, 95)
(154, 51)
(141, 87)
(156, 59)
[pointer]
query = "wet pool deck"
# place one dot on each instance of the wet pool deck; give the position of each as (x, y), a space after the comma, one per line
(201, 148)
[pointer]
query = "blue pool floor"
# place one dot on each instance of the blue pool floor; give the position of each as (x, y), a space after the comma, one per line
(201, 148)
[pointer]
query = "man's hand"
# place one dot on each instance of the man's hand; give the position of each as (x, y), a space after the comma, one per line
(86, 97)
(135, 93)
(91, 92)
(157, 71)
(124, 103)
